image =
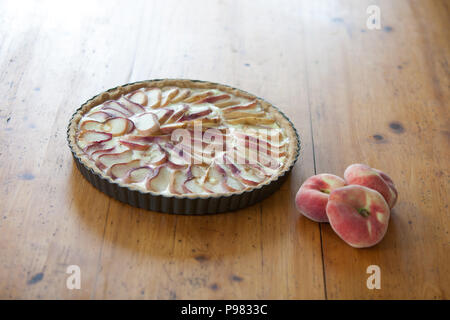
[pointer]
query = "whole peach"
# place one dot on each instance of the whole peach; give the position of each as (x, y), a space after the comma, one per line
(366, 176)
(312, 197)
(359, 215)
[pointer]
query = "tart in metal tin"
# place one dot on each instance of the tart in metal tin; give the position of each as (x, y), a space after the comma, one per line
(134, 117)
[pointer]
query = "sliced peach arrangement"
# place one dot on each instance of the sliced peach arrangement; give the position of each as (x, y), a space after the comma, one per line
(357, 207)
(130, 139)
(114, 126)
(147, 123)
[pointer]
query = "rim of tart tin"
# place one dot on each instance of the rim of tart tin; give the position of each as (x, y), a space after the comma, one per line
(174, 203)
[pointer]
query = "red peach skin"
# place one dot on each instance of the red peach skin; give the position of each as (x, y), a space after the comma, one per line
(363, 175)
(312, 197)
(359, 215)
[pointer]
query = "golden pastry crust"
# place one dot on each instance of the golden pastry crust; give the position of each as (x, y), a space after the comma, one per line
(118, 92)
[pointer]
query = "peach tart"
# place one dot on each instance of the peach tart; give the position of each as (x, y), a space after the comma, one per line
(183, 146)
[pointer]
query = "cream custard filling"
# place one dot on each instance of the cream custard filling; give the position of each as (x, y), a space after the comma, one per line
(177, 141)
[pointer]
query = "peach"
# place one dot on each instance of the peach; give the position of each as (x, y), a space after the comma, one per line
(312, 197)
(363, 175)
(359, 215)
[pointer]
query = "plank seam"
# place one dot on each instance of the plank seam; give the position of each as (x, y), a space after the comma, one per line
(101, 251)
(315, 172)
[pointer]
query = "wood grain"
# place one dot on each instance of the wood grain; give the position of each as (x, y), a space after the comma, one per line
(382, 98)
(355, 95)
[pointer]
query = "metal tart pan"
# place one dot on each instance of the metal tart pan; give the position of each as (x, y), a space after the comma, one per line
(178, 204)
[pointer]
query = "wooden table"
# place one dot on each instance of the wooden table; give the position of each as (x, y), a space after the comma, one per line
(379, 97)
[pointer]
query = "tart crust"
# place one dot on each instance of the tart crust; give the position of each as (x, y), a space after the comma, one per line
(115, 93)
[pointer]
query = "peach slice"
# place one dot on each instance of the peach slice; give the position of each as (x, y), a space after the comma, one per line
(213, 99)
(312, 197)
(262, 145)
(204, 122)
(135, 145)
(190, 155)
(115, 126)
(97, 146)
(107, 160)
(236, 157)
(176, 182)
(249, 105)
(178, 113)
(146, 123)
(229, 162)
(215, 180)
(193, 186)
(271, 162)
(366, 176)
(168, 95)
(228, 183)
(88, 137)
(154, 97)
(178, 157)
(116, 114)
(120, 170)
(243, 155)
(198, 171)
(257, 154)
(270, 135)
(269, 146)
(116, 107)
(195, 176)
(248, 174)
(155, 156)
(267, 171)
(174, 165)
(132, 106)
(163, 114)
(138, 174)
(264, 150)
(138, 97)
(92, 125)
(197, 113)
(227, 103)
(244, 114)
(95, 154)
(96, 149)
(251, 120)
(149, 139)
(118, 126)
(232, 184)
(100, 116)
(251, 175)
(216, 126)
(359, 215)
(160, 180)
(168, 128)
(182, 95)
(199, 96)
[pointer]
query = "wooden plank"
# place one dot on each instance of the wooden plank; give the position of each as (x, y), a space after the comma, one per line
(381, 97)
(257, 253)
(51, 61)
(53, 58)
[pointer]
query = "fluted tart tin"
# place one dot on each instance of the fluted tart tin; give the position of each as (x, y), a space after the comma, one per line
(183, 146)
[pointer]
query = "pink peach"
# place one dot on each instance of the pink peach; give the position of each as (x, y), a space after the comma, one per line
(363, 175)
(359, 215)
(312, 197)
